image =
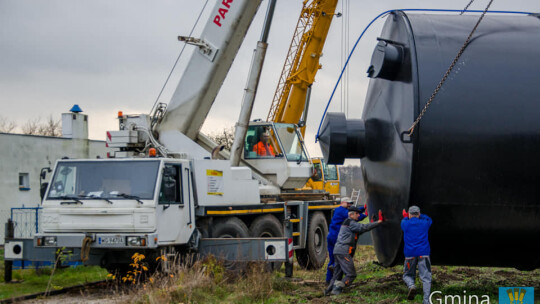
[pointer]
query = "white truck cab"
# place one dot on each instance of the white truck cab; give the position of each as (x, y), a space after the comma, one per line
(136, 204)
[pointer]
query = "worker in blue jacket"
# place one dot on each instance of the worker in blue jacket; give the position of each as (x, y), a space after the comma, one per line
(340, 214)
(415, 228)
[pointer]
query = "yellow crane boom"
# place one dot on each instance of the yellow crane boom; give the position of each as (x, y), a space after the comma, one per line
(298, 74)
(302, 62)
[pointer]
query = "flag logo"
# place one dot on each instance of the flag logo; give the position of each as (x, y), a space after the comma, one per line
(516, 295)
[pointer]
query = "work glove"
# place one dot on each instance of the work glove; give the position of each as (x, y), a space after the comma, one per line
(362, 209)
(405, 214)
(374, 217)
(367, 215)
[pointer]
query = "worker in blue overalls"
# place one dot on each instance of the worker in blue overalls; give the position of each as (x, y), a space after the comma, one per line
(415, 228)
(340, 214)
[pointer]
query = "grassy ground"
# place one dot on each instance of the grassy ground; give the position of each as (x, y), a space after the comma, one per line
(207, 283)
(27, 281)
(376, 284)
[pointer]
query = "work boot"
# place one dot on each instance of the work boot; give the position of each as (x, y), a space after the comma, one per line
(338, 288)
(412, 293)
(328, 289)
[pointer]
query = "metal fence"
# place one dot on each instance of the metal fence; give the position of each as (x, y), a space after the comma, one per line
(26, 221)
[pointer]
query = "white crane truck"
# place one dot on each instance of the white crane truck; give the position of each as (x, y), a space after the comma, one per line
(162, 191)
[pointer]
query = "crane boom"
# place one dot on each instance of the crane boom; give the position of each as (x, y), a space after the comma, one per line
(291, 99)
(302, 61)
(195, 94)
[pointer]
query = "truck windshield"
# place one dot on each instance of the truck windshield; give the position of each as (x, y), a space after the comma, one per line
(107, 179)
(290, 140)
(330, 172)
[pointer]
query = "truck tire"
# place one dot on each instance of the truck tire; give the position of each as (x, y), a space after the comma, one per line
(231, 227)
(314, 255)
(267, 226)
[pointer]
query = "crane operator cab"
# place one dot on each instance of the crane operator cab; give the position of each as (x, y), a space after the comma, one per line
(325, 177)
(277, 150)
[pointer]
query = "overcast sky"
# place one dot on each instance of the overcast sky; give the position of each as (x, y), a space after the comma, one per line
(108, 56)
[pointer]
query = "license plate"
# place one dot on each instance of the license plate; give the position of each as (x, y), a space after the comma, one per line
(111, 240)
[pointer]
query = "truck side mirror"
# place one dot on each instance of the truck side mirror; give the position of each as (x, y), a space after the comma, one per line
(43, 189)
(44, 172)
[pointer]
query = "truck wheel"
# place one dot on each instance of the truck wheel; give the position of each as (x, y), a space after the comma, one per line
(231, 227)
(314, 255)
(267, 226)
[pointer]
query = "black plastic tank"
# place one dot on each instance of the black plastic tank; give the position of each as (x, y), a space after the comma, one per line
(473, 162)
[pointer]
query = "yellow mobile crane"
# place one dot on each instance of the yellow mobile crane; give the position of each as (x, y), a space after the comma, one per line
(291, 100)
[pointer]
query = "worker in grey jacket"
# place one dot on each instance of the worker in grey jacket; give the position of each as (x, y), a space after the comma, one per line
(344, 251)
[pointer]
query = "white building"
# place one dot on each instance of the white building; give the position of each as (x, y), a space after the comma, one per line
(22, 158)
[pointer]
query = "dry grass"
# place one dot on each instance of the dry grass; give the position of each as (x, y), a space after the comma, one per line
(204, 281)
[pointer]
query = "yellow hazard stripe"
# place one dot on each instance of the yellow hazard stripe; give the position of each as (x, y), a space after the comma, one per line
(295, 221)
(323, 207)
(296, 234)
(209, 212)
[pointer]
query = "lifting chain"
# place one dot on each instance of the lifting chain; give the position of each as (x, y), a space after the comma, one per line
(466, 7)
(415, 123)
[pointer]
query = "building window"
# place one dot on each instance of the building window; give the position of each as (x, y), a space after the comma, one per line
(24, 182)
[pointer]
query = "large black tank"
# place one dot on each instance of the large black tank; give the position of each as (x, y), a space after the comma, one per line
(473, 162)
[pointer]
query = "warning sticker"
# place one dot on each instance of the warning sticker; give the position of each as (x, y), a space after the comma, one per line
(215, 182)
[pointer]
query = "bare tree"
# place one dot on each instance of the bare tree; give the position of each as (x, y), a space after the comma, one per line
(31, 127)
(6, 125)
(50, 127)
(224, 137)
(47, 128)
